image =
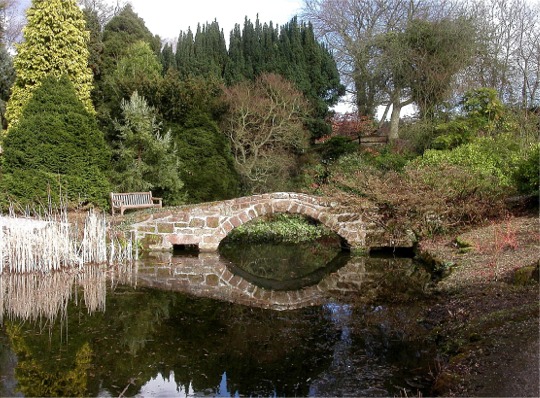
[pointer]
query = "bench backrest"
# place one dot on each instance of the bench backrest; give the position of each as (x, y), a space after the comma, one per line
(131, 198)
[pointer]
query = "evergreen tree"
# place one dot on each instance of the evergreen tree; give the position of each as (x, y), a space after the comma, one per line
(7, 77)
(95, 43)
(168, 58)
(138, 70)
(208, 167)
(146, 158)
(234, 69)
(56, 147)
(55, 43)
(204, 54)
(123, 30)
(185, 53)
(190, 107)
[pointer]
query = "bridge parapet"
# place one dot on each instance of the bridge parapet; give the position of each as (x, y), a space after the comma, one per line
(205, 225)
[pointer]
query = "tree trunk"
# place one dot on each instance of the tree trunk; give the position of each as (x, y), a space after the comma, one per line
(394, 121)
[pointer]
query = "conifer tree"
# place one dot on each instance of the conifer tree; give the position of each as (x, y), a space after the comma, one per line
(185, 53)
(56, 147)
(120, 33)
(168, 59)
(55, 43)
(146, 158)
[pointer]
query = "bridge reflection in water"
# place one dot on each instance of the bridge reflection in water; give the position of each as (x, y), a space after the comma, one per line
(211, 275)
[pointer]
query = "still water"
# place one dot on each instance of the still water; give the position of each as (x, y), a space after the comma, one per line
(184, 326)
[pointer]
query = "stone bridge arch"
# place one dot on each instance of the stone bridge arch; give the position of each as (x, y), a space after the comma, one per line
(206, 225)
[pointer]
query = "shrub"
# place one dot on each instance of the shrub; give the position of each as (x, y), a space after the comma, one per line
(336, 147)
(207, 165)
(488, 156)
(56, 147)
(425, 198)
(527, 172)
(279, 228)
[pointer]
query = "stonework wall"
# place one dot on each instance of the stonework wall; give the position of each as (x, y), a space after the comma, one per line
(207, 224)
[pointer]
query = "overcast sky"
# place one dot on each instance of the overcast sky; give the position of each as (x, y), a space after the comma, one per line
(167, 18)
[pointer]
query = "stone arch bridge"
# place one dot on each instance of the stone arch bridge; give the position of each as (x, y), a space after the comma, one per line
(205, 225)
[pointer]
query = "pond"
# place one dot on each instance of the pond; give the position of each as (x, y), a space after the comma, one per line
(201, 325)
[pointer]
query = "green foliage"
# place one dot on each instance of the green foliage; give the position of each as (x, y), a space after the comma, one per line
(7, 77)
(203, 54)
(123, 30)
(145, 159)
(484, 109)
(279, 228)
(55, 43)
(138, 70)
(95, 42)
(56, 143)
(207, 165)
(489, 156)
(527, 173)
(453, 133)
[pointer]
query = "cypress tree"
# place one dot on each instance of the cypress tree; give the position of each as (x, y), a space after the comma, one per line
(168, 59)
(55, 43)
(234, 69)
(185, 53)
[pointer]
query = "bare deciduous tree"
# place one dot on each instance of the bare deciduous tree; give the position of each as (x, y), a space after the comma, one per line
(371, 56)
(104, 9)
(510, 58)
(12, 21)
(265, 127)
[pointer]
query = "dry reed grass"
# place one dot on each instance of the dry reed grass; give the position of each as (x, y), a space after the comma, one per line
(49, 242)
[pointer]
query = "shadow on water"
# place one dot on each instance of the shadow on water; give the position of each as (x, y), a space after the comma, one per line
(172, 327)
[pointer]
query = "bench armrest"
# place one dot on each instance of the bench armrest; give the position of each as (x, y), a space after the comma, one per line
(157, 199)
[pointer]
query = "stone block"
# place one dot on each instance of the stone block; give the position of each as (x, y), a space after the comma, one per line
(165, 228)
(147, 228)
(244, 217)
(280, 206)
(177, 239)
(212, 280)
(180, 217)
(212, 222)
(196, 279)
(235, 221)
(227, 227)
(197, 223)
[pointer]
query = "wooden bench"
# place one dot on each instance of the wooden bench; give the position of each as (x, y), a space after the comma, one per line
(133, 200)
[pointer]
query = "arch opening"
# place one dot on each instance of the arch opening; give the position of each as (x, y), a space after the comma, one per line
(186, 250)
(286, 250)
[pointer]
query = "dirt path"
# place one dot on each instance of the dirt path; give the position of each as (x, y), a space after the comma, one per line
(488, 311)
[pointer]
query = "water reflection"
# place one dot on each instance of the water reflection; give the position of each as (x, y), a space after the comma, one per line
(157, 330)
(38, 296)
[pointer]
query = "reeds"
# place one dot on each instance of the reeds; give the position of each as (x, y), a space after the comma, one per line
(50, 242)
(45, 297)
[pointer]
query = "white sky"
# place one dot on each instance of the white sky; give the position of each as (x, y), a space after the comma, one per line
(167, 18)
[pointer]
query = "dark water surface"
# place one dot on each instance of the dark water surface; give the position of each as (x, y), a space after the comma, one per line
(139, 331)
